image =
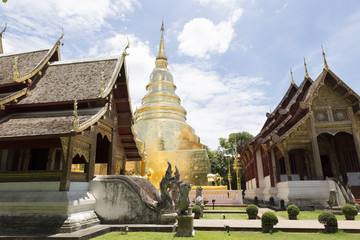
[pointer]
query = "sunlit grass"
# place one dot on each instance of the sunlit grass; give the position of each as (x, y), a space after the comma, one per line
(310, 215)
(227, 216)
(214, 235)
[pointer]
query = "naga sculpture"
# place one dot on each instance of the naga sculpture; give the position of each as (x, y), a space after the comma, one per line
(166, 183)
(183, 204)
(175, 191)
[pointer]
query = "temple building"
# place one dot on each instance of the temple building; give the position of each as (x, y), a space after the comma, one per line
(160, 125)
(61, 123)
(308, 146)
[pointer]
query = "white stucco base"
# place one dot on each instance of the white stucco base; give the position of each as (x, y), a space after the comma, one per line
(302, 193)
(41, 207)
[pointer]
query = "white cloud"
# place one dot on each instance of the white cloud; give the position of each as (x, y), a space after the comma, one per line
(219, 105)
(140, 62)
(200, 37)
(44, 19)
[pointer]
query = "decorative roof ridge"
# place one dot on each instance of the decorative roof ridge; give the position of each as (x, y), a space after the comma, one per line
(75, 61)
(77, 127)
(25, 51)
(312, 92)
(282, 100)
(40, 65)
(298, 92)
(59, 112)
(296, 125)
(12, 97)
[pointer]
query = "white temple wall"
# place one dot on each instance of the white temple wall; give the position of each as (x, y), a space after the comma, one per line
(354, 178)
(260, 169)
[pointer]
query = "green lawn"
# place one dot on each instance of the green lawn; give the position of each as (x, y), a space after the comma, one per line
(310, 215)
(226, 208)
(213, 235)
(227, 216)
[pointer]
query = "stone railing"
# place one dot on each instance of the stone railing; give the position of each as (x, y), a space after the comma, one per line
(220, 196)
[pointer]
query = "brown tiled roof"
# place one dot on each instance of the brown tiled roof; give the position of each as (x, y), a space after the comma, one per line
(69, 81)
(41, 124)
(26, 62)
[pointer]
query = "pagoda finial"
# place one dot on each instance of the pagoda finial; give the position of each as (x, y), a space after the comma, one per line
(161, 59)
(306, 72)
(292, 78)
(325, 63)
(1, 45)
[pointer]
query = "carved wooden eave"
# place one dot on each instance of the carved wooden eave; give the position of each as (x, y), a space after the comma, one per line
(276, 130)
(295, 127)
(280, 105)
(280, 109)
(12, 97)
(76, 127)
(37, 69)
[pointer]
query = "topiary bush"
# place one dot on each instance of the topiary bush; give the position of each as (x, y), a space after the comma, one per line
(252, 210)
(269, 218)
(349, 210)
(197, 210)
(330, 222)
(292, 211)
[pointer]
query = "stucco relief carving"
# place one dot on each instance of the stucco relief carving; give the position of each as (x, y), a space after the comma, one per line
(321, 116)
(340, 114)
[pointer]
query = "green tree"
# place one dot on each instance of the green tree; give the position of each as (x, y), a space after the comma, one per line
(4, 1)
(227, 147)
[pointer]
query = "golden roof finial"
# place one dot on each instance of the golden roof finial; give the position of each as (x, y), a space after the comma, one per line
(161, 59)
(75, 123)
(292, 78)
(306, 72)
(325, 63)
(127, 46)
(3, 30)
(102, 85)
(1, 45)
(15, 69)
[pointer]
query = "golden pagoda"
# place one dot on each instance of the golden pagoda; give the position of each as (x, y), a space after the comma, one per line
(160, 123)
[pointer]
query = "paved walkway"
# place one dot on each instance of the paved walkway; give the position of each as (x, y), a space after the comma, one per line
(199, 224)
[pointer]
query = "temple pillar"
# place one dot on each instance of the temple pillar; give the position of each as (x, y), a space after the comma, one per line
(92, 157)
(68, 146)
(27, 156)
(287, 165)
(273, 168)
(4, 156)
(260, 170)
(355, 131)
(315, 148)
(51, 159)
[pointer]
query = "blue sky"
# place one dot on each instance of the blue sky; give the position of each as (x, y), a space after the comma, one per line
(230, 59)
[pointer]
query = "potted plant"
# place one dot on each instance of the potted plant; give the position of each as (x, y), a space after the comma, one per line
(292, 211)
(197, 210)
(330, 222)
(268, 220)
(252, 211)
(349, 211)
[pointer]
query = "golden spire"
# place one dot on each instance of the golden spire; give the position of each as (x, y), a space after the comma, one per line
(1, 45)
(325, 63)
(292, 78)
(161, 59)
(306, 72)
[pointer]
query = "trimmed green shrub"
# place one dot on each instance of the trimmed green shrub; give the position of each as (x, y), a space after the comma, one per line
(293, 210)
(269, 218)
(330, 222)
(196, 209)
(349, 210)
(252, 210)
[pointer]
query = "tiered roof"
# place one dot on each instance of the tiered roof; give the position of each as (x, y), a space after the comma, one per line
(38, 91)
(294, 109)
